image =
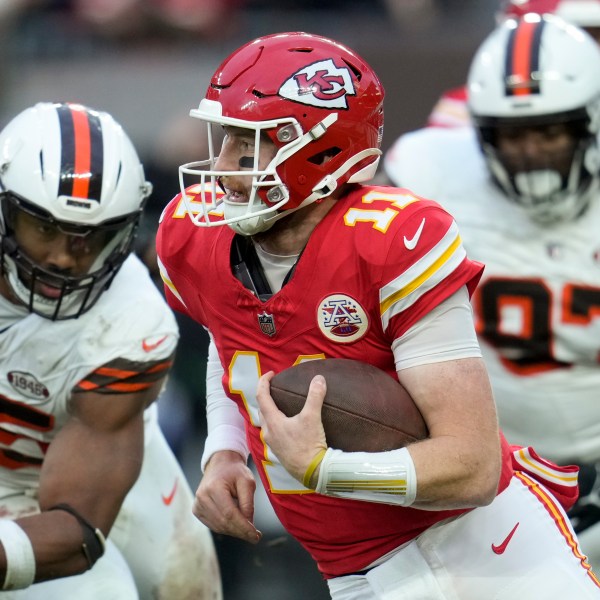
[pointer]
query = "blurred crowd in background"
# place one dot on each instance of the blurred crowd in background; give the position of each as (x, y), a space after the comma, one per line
(131, 20)
(148, 62)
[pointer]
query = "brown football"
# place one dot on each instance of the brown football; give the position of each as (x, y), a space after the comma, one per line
(365, 409)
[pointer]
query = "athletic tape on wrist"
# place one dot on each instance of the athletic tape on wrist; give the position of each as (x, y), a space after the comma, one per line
(387, 477)
(20, 559)
(314, 463)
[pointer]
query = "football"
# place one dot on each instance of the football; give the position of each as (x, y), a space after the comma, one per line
(365, 410)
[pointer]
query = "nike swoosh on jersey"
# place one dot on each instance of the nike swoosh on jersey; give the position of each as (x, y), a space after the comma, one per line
(411, 244)
(149, 346)
(168, 499)
(502, 547)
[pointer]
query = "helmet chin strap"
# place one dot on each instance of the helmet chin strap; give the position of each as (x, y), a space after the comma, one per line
(329, 183)
(251, 224)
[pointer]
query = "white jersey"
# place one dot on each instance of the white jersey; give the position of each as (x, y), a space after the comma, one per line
(537, 307)
(42, 362)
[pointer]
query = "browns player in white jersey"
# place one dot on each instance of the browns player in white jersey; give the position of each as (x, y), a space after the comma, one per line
(523, 186)
(300, 260)
(451, 109)
(93, 503)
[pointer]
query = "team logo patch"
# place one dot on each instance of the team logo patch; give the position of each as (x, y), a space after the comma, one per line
(266, 323)
(322, 84)
(27, 385)
(342, 319)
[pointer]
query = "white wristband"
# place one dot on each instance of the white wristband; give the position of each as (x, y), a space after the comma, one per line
(387, 477)
(20, 559)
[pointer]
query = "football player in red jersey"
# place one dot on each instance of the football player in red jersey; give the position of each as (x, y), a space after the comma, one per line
(299, 259)
(93, 503)
(451, 108)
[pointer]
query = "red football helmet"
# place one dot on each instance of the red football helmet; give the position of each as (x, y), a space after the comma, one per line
(316, 100)
(584, 13)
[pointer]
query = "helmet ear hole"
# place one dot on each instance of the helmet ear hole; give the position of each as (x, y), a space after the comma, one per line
(323, 157)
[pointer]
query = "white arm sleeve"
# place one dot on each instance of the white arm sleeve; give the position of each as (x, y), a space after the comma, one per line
(226, 429)
(445, 333)
(387, 477)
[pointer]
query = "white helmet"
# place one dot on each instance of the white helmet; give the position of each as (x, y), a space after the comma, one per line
(539, 71)
(76, 169)
(584, 13)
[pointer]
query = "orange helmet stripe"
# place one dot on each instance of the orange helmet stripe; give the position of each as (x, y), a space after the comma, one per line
(522, 59)
(82, 152)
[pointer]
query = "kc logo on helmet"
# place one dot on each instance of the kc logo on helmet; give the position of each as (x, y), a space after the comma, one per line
(321, 84)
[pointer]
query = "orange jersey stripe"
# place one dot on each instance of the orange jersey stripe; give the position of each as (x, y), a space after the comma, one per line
(116, 373)
(124, 376)
(123, 387)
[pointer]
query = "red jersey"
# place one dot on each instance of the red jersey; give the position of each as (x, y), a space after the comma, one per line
(379, 260)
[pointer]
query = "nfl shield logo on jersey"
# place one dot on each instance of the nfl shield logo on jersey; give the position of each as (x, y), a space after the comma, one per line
(267, 324)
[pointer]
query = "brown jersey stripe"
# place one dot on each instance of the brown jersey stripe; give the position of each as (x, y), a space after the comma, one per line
(24, 415)
(15, 460)
(8, 437)
(124, 376)
(522, 59)
(133, 369)
(110, 386)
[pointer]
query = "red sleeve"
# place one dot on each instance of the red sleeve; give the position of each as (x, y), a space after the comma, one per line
(426, 264)
(177, 240)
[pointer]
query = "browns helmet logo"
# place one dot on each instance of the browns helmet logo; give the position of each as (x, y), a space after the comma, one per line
(320, 84)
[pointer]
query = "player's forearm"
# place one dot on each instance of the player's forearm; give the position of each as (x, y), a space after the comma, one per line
(454, 474)
(459, 464)
(226, 428)
(430, 475)
(49, 545)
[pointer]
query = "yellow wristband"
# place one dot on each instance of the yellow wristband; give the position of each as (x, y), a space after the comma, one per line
(314, 463)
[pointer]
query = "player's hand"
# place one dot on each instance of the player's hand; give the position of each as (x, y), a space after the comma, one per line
(224, 499)
(296, 440)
